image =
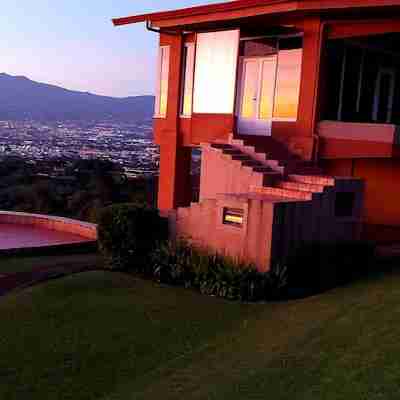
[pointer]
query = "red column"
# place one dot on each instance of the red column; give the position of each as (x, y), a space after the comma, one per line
(174, 188)
(175, 160)
(310, 76)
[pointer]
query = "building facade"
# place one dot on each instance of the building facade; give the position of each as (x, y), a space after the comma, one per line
(295, 105)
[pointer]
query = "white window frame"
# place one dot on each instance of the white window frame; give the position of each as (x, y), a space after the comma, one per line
(239, 98)
(163, 57)
(188, 79)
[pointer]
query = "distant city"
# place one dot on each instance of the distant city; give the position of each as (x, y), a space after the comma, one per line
(127, 144)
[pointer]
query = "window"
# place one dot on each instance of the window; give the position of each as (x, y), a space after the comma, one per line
(272, 67)
(215, 75)
(187, 79)
(233, 216)
(344, 204)
(288, 79)
(162, 82)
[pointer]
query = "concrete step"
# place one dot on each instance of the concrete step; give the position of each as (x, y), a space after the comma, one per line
(270, 178)
(232, 151)
(264, 169)
(242, 157)
(221, 146)
(302, 187)
(258, 167)
(313, 179)
(286, 193)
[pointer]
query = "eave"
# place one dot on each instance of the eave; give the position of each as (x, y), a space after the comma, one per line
(248, 8)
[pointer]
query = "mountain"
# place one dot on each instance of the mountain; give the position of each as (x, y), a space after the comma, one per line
(22, 98)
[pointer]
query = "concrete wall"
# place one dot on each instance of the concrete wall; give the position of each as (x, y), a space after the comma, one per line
(59, 224)
(220, 175)
(273, 227)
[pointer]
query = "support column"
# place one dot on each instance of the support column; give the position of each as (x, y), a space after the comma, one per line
(174, 188)
(310, 77)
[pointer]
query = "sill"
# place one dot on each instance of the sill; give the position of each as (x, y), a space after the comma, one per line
(159, 116)
(185, 116)
(277, 119)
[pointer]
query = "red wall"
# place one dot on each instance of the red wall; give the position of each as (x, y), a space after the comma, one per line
(382, 194)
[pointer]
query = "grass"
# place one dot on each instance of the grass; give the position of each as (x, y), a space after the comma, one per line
(103, 335)
(10, 265)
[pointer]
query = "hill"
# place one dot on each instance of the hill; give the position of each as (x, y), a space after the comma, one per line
(22, 99)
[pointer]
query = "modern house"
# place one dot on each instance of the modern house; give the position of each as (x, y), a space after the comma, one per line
(295, 105)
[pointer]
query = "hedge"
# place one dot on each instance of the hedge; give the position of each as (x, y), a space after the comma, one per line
(128, 233)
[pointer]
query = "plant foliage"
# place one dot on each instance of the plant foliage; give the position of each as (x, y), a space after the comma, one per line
(128, 233)
(215, 275)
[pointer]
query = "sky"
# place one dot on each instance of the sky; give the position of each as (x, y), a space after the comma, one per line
(73, 44)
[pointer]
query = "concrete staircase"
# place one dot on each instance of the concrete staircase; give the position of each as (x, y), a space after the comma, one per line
(284, 202)
(258, 172)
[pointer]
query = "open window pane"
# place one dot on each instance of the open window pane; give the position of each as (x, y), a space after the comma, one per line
(215, 75)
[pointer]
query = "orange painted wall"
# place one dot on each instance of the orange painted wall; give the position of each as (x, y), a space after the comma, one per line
(382, 193)
(382, 196)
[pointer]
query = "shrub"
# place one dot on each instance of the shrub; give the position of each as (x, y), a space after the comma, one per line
(215, 275)
(316, 267)
(127, 235)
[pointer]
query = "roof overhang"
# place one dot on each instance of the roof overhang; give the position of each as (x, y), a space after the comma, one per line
(239, 9)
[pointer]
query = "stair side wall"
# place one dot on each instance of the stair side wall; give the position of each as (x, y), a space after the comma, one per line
(203, 226)
(220, 174)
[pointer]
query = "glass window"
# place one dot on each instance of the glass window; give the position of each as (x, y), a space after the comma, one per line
(187, 79)
(215, 75)
(162, 82)
(267, 87)
(288, 79)
(258, 47)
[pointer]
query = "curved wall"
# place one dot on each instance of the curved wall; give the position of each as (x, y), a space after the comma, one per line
(66, 225)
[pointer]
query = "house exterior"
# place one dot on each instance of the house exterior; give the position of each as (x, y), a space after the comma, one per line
(296, 106)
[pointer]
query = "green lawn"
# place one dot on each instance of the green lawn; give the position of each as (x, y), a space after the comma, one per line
(102, 335)
(10, 265)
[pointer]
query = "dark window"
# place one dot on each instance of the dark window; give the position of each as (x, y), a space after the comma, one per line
(344, 204)
(361, 79)
(195, 174)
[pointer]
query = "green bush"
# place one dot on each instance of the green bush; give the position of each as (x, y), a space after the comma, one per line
(128, 233)
(215, 275)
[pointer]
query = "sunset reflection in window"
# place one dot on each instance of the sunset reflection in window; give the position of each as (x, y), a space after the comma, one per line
(288, 84)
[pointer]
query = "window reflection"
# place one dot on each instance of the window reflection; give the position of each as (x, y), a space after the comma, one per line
(187, 79)
(288, 84)
(267, 87)
(164, 72)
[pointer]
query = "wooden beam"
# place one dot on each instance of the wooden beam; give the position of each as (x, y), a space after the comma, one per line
(356, 28)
